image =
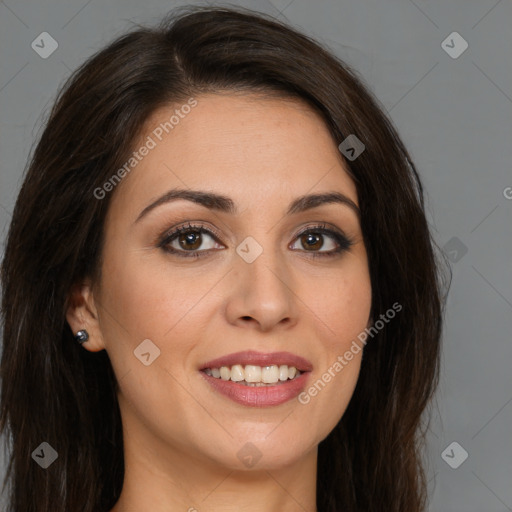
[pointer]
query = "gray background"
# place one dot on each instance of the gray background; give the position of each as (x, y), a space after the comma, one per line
(455, 116)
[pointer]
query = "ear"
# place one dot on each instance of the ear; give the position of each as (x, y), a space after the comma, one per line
(82, 314)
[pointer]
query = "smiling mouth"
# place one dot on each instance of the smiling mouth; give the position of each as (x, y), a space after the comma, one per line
(255, 376)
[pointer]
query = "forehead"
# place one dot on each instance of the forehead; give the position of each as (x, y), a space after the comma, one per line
(239, 145)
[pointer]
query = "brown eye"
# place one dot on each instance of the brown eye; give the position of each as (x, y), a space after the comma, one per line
(190, 240)
(320, 241)
(312, 241)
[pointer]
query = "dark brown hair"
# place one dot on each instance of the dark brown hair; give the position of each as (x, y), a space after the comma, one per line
(55, 391)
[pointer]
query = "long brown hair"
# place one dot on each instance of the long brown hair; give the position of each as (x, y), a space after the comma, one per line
(54, 391)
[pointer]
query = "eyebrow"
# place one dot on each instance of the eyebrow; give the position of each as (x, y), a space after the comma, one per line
(224, 204)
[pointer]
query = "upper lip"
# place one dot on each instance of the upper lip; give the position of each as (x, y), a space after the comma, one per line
(260, 359)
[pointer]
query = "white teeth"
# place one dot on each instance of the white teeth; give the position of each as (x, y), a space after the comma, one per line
(253, 375)
(270, 374)
(237, 373)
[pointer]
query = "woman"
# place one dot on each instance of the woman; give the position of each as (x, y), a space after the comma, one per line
(217, 223)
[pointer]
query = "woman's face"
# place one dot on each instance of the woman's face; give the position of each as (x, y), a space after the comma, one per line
(258, 285)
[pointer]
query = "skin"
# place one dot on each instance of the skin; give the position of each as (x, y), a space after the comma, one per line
(181, 437)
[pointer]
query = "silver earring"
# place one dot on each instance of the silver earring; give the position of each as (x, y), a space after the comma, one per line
(81, 336)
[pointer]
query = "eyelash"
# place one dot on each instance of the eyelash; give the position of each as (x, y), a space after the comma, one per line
(343, 242)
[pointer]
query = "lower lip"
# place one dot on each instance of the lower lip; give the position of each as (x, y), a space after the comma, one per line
(259, 396)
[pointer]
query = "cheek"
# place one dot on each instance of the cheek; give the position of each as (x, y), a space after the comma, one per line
(343, 308)
(329, 391)
(343, 304)
(158, 303)
(145, 302)
(149, 299)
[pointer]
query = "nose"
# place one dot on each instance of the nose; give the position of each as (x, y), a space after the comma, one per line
(262, 293)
